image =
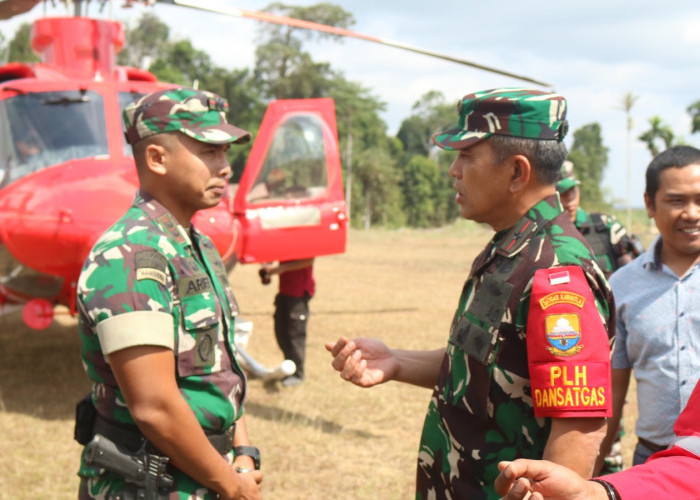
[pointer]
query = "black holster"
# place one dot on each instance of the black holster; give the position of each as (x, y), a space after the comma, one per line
(85, 414)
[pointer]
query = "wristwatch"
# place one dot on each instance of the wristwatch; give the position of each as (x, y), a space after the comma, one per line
(248, 451)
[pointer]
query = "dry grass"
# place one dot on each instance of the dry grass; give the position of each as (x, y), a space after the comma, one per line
(324, 439)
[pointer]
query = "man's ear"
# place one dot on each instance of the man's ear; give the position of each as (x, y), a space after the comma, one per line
(156, 159)
(521, 171)
(649, 204)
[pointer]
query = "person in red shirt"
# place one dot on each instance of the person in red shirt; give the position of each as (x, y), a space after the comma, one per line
(296, 287)
(670, 473)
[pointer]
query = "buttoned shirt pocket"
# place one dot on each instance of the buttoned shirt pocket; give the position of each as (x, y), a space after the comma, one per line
(474, 342)
(200, 336)
(476, 330)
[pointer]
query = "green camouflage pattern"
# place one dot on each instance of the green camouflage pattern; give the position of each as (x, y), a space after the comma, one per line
(612, 245)
(515, 112)
(147, 262)
(198, 114)
(481, 410)
(566, 179)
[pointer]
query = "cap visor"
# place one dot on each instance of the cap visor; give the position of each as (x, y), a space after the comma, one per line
(565, 184)
(219, 134)
(456, 138)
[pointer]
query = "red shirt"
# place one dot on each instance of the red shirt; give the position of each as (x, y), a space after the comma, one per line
(671, 473)
(298, 282)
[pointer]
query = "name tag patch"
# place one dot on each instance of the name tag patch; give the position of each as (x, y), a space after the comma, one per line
(193, 285)
(150, 265)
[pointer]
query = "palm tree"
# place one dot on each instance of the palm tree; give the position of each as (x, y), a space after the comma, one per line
(628, 101)
(694, 112)
(658, 131)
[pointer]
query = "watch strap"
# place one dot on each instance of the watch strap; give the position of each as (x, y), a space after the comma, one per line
(249, 451)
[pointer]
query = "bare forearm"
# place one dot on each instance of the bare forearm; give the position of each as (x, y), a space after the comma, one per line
(419, 368)
(166, 419)
(620, 384)
(172, 428)
(575, 443)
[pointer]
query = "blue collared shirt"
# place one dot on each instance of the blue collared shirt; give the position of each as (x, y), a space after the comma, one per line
(658, 336)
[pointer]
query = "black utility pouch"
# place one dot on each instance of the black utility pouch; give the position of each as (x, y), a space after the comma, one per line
(85, 414)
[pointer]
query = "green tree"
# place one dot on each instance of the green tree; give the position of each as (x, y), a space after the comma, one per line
(283, 69)
(590, 158)
(694, 112)
(628, 101)
(658, 133)
(144, 42)
(183, 64)
(359, 124)
(376, 177)
(429, 114)
(426, 186)
(420, 176)
(20, 49)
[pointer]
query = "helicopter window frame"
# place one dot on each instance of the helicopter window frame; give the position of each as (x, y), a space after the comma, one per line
(295, 166)
(63, 125)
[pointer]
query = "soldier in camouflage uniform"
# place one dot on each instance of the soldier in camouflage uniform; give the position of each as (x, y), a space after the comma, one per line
(526, 369)
(157, 314)
(612, 246)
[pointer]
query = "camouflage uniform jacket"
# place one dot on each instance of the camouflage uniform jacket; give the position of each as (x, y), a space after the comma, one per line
(147, 269)
(612, 246)
(481, 410)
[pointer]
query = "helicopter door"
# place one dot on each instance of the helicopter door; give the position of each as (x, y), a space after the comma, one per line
(290, 197)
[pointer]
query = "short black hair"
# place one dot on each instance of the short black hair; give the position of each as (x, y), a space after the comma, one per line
(545, 156)
(675, 156)
(139, 148)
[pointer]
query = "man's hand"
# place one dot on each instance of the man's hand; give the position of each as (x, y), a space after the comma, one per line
(544, 480)
(364, 362)
(248, 486)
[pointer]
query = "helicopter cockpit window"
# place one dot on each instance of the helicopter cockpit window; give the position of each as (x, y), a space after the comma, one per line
(126, 98)
(40, 129)
(295, 166)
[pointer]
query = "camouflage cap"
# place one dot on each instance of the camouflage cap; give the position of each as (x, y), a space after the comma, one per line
(514, 112)
(566, 179)
(198, 114)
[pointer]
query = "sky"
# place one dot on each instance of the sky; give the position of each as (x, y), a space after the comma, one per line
(593, 53)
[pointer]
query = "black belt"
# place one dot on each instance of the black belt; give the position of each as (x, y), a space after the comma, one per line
(651, 446)
(131, 438)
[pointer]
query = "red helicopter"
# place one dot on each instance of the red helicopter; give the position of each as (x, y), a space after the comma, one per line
(66, 172)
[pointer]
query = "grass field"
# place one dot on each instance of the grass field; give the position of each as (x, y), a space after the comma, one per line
(325, 439)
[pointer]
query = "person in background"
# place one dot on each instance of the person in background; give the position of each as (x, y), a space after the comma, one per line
(658, 318)
(296, 288)
(612, 245)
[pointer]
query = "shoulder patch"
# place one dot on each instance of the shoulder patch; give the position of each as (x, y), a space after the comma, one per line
(151, 265)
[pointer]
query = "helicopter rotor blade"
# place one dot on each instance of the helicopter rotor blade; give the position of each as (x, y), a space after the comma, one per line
(299, 23)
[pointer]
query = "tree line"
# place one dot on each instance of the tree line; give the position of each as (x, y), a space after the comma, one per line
(395, 180)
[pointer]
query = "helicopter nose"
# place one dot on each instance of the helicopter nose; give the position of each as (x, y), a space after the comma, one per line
(51, 219)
